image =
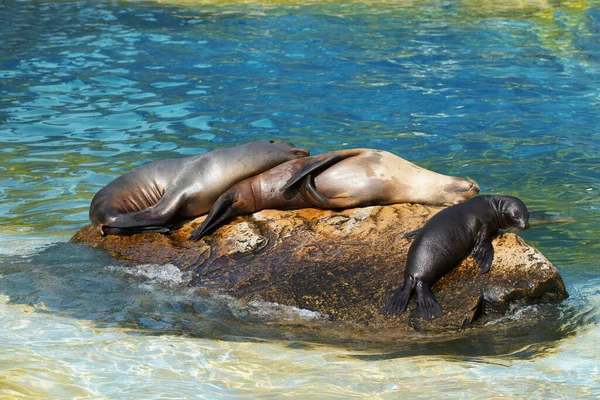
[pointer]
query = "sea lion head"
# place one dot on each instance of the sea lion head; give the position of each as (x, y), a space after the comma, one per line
(420, 185)
(511, 212)
(459, 190)
(428, 187)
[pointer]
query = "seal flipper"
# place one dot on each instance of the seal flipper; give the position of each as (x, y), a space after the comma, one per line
(159, 215)
(318, 163)
(222, 211)
(429, 306)
(399, 301)
(313, 196)
(483, 254)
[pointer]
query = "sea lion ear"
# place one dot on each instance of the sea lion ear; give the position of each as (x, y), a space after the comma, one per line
(483, 254)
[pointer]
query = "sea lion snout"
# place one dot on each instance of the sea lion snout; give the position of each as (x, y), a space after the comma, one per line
(523, 223)
(467, 185)
(463, 189)
(292, 151)
(300, 152)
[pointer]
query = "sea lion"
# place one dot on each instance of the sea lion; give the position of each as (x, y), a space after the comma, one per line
(259, 192)
(338, 179)
(447, 238)
(155, 196)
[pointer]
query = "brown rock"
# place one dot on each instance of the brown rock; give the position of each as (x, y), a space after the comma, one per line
(344, 264)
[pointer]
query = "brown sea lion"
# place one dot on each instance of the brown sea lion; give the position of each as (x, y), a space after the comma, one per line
(155, 196)
(447, 238)
(338, 179)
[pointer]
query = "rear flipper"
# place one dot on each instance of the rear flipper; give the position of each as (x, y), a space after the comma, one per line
(429, 306)
(319, 163)
(399, 301)
(221, 212)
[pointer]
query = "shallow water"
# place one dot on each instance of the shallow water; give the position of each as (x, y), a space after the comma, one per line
(507, 96)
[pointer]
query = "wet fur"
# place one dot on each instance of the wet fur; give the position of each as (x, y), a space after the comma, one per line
(338, 179)
(156, 196)
(446, 239)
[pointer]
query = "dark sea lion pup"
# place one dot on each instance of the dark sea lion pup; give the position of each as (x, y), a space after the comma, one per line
(155, 196)
(447, 238)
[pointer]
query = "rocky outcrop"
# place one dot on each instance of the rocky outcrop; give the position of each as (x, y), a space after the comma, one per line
(342, 264)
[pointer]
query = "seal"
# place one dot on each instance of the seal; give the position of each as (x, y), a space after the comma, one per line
(338, 179)
(156, 196)
(447, 238)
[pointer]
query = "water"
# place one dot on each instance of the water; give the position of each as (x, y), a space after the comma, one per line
(506, 95)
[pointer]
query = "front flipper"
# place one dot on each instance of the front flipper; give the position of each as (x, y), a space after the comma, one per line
(483, 254)
(429, 306)
(319, 163)
(159, 215)
(222, 211)
(315, 198)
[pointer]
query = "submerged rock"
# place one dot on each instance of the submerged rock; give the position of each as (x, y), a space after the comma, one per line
(342, 264)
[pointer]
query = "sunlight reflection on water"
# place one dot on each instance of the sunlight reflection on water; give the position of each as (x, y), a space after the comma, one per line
(88, 90)
(50, 356)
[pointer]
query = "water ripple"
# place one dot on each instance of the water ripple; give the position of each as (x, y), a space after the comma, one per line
(506, 94)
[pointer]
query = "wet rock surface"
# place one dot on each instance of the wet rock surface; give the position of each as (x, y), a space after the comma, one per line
(342, 264)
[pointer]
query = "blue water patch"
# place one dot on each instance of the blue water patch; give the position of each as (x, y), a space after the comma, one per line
(113, 81)
(508, 98)
(263, 123)
(162, 85)
(170, 111)
(201, 123)
(505, 93)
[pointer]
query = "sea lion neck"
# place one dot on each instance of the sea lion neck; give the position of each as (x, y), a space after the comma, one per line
(495, 204)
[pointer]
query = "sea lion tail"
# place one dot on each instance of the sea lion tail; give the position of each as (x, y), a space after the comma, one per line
(429, 306)
(399, 301)
(222, 211)
(320, 163)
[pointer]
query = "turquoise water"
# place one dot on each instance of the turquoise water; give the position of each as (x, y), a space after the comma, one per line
(506, 96)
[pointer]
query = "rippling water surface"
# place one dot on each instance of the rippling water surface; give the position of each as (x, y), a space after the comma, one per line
(506, 95)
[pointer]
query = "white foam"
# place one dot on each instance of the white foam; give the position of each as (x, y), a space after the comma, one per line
(269, 311)
(166, 274)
